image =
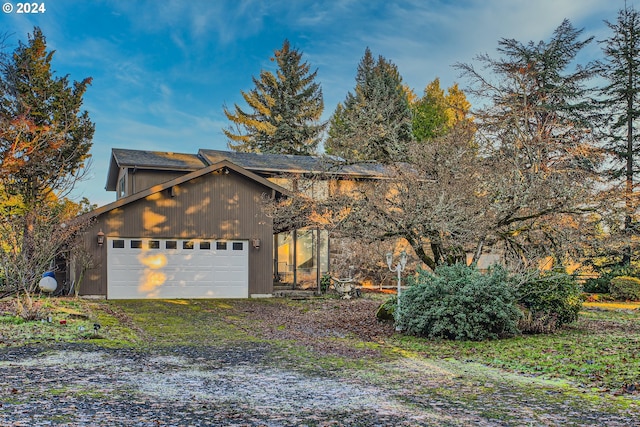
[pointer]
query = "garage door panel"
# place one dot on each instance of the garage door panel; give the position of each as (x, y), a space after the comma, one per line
(188, 269)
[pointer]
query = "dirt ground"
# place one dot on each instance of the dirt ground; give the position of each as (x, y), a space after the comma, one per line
(66, 384)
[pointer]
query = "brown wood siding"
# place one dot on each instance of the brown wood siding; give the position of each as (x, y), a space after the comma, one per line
(141, 179)
(213, 206)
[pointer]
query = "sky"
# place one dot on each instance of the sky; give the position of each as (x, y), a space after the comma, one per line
(163, 70)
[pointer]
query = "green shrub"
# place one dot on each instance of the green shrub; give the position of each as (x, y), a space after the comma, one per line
(386, 311)
(625, 288)
(600, 285)
(597, 285)
(325, 283)
(458, 302)
(548, 300)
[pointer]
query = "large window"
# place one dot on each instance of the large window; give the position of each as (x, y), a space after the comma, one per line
(300, 255)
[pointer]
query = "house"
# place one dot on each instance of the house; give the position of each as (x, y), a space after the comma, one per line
(192, 225)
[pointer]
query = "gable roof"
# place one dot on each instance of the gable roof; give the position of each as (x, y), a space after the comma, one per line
(143, 159)
(288, 163)
(182, 179)
(260, 163)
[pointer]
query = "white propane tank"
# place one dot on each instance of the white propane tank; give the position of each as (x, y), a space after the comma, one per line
(48, 283)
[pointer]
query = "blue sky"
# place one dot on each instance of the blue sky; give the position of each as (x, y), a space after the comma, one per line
(163, 70)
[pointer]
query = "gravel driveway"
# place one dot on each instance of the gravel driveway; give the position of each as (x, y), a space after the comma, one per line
(83, 385)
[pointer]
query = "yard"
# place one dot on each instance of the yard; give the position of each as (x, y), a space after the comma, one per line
(316, 362)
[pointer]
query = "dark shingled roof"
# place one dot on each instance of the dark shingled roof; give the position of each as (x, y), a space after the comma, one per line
(157, 159)
(261, 164)
(287, 163)
(143, 159)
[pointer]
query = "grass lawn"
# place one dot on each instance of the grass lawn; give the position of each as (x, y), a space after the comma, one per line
(598, 355)
(600, 352)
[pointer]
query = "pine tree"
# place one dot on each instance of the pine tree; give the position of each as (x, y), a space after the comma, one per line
(374, 123)
(621, 101)
(285, 110)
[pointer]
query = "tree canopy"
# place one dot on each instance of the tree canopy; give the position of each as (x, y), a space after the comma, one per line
(620, 103)
(535, 134)
(519, 178)
(45, 138)
(435, 114)
(374, 122)
(285, 109)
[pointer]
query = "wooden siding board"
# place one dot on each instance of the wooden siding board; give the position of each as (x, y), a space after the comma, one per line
(142, 179)
(215, 206)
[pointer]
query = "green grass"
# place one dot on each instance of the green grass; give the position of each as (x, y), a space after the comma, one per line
(601, 351)
(186, 322)
(64, 320)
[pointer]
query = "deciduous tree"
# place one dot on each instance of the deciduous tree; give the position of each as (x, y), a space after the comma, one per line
(435, 113)
(434, 201)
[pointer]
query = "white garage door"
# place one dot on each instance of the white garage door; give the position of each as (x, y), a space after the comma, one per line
(177, 268)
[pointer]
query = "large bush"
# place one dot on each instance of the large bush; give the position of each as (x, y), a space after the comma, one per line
(600, 284)
(458, 302)
(597, 285)
(548, 300)
(625, 288)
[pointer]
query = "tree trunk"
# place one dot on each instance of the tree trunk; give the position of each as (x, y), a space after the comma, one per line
(629, 205)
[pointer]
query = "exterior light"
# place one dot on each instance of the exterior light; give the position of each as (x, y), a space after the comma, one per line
(100, 238)
(399, 268)
(256, 243)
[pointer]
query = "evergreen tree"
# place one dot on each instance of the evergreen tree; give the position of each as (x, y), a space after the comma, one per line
(621, 101)
(535, 134)
(45, 138)
(430, 118)
(374, 123)
(285, 110)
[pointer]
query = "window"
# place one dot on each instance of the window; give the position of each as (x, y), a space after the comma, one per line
(187, 244)
(136, 244)
(154, 244)
(171, 244)
(118, 244)
(121, 187)
(221, 246)
(205, 245)
(237, 246)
